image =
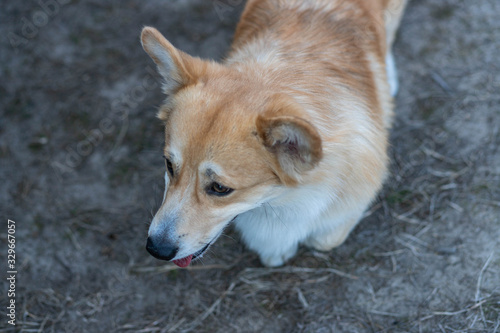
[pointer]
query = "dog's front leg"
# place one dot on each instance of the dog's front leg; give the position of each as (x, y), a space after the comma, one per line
(271, 234)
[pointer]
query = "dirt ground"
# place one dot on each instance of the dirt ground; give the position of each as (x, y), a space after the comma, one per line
(81, 174)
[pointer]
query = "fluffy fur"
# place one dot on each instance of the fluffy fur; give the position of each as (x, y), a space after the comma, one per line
(295, 121)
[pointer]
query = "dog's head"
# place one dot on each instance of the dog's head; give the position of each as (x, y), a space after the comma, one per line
(231, 143)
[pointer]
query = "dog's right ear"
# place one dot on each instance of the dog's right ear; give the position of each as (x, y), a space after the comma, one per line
(295, 142)
(177, 68)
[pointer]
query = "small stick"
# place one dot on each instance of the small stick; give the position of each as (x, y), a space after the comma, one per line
(169, 268)
(480, 278)
(297, 270)
(211, 309)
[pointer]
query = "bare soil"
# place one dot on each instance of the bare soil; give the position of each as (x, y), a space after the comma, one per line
(81, 174)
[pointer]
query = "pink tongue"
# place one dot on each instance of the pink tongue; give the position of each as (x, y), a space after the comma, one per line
(184, 262)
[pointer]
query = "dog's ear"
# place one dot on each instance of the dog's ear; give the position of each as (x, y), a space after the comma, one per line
(294, 141)
(177, 68)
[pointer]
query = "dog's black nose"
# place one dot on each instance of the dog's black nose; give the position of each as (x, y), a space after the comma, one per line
(161, 249)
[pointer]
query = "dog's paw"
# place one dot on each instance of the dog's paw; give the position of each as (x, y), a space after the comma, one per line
(317, 245)
(325, 243)
(276, 260)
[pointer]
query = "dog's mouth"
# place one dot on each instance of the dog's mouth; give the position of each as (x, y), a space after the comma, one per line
(184, 262)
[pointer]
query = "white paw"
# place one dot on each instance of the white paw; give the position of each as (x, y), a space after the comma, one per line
(314, 244)
(327, 241)
(275, 260)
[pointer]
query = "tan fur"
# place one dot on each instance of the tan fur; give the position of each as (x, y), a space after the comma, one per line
(301, 103)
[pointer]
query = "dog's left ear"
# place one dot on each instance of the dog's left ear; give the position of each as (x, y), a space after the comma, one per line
(293, 140)
(177, 68)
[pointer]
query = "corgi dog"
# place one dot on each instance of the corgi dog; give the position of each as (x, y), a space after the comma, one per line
(286, 138)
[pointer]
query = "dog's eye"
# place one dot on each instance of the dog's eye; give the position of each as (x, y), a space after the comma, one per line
(219, 190)
(169, 166)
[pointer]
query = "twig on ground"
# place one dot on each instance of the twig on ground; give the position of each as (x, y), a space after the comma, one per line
(441, 82)
(72, 236)
(175, 326)
(256, 272)
(408, 219)
(42, 325)
(447, 313)
(478, 288)
(438, 156)
(480, 278)
(372, 210)
(209, 311)
(302, 298)
(388, 314)
(496, 327)
(412, 248)
(415, 240)
(170, 267)
(387, 254)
